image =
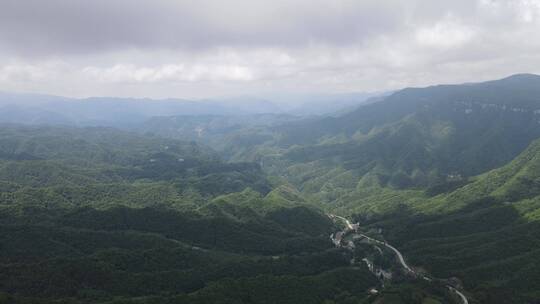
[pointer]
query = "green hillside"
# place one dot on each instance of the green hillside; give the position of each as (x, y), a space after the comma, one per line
(449, 174)
(413, 138)
(487, 233)
(99, 216)
(413, 164)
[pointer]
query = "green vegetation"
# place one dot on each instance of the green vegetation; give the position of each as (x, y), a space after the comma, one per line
(97, 215)
(232, 210)
(487, 233)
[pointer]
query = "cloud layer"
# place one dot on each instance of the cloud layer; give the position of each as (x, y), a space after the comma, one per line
(185, 48)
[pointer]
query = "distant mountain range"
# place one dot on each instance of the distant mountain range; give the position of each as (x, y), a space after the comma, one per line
(418, 135)
(122, 112)
(413, 137)
(222, 199)
(38, 109)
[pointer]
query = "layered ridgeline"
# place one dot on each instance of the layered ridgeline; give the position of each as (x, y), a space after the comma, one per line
(414, 164)
(410, 164)
(414, 138)
(103, 216)
(221, 132)
(32, 109)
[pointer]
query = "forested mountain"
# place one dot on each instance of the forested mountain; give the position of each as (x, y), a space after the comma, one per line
(218, 131)
(269, 152)
(97, 215)
(487, 233)
(414, 165)
(236, 209)
(483, 229)
(412, 138)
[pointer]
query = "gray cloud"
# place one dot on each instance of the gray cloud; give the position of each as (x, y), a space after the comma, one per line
(206, 47)
(58, 26)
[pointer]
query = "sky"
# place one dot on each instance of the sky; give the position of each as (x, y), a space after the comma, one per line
(209, 48)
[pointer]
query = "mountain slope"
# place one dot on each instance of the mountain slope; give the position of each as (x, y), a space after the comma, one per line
(487, 233)
(97, 215)
(414, 138)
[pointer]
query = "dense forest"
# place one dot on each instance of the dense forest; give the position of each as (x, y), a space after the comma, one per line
(99, 215)
(239, 209)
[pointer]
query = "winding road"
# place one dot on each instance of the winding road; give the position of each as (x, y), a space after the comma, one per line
(400, 258)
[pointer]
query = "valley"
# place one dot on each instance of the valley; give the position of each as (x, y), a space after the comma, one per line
(350, 228)
(443, 180)
(269, 152)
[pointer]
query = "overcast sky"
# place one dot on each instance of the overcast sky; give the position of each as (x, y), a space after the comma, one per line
(204, 48)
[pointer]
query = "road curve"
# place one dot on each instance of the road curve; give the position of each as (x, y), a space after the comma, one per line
(461, 295)
(398, 254)
(400, 257)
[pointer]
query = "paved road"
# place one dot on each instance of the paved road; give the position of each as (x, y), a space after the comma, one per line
(400, 258)
(461, 295)
(398, 254)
